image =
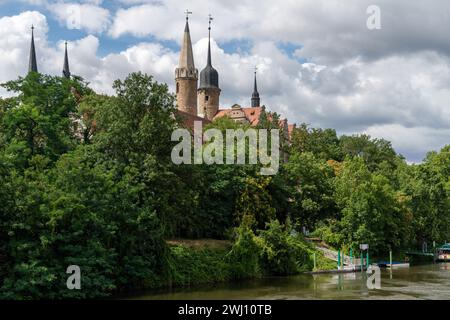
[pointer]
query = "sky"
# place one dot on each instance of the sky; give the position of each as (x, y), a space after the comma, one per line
(318, 62)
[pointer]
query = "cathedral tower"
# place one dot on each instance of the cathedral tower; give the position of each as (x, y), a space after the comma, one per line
(66, 69)
(186, 76)
(209, 91)
(256, 101)
(32, 65)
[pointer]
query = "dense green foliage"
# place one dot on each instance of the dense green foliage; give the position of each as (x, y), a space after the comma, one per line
(87, 180)
(274, 251)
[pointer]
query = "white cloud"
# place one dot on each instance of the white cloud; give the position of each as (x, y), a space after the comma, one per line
(15, 33)
(89, 16)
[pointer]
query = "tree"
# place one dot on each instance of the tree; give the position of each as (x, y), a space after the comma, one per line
(138, 122)
(103, 211)
(310, 189)
(374, 151)
(86, 123)
(37, 120)
(254, 205)
(428, 186)
(371, 210)
(323, 143)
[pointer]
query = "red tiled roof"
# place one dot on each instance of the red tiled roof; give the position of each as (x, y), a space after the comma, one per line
(222, 113)
(188, 119)
(252, 114)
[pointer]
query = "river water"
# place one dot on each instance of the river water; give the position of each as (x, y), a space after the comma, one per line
(417, 282)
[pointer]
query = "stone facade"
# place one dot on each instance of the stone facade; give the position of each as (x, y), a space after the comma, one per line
(208, 102)
(186, 89)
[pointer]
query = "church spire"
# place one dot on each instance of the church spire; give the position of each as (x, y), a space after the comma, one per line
(209, 42)
(66, 69)
(209, 91)
(32, 66)
(187, 56)
(209, 77)
(186, 76)
(256, 101)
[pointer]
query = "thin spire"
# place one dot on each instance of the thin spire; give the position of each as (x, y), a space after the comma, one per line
(255, 88)
(187, 55)
(209, 77)
(66, 69)
(256, 101)
(209, 41)
(32, 66)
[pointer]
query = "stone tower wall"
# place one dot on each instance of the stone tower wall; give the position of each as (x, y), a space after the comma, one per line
(209, 99)
(186, 89)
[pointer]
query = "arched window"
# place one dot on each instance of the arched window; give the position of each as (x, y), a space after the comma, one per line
(178, 87)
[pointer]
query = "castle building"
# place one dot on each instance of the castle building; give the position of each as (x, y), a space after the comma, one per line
(195, 102)
(207, 96)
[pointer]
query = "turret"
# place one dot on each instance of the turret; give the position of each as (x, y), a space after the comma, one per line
(209, 91)
(186, 75)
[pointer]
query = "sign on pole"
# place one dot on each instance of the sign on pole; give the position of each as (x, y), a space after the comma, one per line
(364, 247)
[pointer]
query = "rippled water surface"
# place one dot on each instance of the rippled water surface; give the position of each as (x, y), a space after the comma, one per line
(418, 282)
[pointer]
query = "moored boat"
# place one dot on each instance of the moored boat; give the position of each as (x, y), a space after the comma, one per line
(443, 253)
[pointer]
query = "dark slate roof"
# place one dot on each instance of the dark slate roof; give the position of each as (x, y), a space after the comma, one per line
(209, 77)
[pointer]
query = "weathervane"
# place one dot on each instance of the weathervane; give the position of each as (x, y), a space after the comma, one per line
(187, 14)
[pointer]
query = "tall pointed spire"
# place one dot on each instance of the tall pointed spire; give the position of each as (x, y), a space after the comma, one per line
(209, 42)
(186, 76)
(209, 91)
(187, 56)
(32, 66)
(256, 101)
(66, 69)
(209, 77)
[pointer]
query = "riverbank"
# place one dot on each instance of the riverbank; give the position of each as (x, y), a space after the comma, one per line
(195, 263)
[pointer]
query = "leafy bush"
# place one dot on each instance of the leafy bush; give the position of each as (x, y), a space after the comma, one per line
(281, 252)
(244, 255)
(197, 266)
